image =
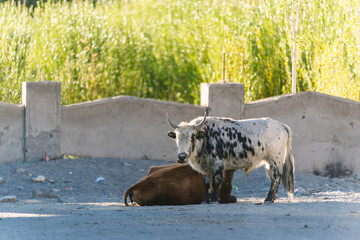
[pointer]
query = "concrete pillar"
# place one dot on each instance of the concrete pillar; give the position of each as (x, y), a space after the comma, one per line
(42, 101)
(223, 99)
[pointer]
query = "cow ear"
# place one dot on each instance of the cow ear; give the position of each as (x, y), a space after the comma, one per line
(172, 135)
(200, 134)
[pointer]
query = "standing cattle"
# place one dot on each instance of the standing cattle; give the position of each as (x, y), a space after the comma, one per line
(212, 145)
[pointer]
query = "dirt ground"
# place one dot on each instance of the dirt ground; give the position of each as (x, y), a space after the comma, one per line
(82, 199)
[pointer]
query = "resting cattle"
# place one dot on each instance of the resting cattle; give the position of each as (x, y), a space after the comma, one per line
(212, 145)
(175, 184)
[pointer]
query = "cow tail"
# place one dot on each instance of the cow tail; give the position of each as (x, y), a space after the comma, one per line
(288, 176)
(127, 194)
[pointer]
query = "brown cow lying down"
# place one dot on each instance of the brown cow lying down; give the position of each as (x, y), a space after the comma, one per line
(175, 184)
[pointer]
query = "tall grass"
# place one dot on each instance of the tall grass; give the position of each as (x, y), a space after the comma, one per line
(165, 48)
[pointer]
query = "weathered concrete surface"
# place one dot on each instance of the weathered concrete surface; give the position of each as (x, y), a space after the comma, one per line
(11, 132)
(42, 101)
(326, 129)
(126, 127)
(223, 99)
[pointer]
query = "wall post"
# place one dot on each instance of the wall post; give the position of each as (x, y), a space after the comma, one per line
(223, 99)
(42, 101)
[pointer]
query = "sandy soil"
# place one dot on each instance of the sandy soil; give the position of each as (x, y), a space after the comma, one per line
(86, 209)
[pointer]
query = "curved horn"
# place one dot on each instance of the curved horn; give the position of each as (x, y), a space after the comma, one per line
(171, 124)
(197, 127)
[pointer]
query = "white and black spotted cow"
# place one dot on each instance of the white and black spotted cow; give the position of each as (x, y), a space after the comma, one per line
(212, 145)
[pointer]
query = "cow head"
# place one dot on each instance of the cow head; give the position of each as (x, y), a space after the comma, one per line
(186, 136)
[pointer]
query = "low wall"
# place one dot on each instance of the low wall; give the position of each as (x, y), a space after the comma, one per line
(126, 127)
(11, 133)
(42, 101)
(326, 129)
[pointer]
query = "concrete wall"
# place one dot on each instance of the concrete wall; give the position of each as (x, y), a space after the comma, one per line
(42, 101)
(326, 132)
(326, 129)
(11, 133)
(126, 127)
(223, 99)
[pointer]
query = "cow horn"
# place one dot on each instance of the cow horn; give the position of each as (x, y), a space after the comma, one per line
(197, 127)
(174, 126)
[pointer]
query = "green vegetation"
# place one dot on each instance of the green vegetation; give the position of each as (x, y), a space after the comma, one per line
(165, 48)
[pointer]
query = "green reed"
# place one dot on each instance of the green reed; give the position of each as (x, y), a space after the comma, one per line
(164, 49)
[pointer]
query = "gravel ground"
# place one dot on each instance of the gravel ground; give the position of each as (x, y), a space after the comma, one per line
(82, 208)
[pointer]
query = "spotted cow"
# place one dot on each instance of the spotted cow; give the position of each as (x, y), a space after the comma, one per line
(212, 145)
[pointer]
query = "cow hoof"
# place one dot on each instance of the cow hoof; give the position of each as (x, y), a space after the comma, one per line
(268, 202)
(231, 199)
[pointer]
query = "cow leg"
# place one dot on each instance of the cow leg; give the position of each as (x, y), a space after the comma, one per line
(207, 189)
(217, 179)
(274, 175)
(226, 187)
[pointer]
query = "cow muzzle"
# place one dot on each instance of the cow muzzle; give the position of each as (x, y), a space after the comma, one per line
(182, 157)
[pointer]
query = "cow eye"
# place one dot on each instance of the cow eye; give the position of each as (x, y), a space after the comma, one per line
(172, 135)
